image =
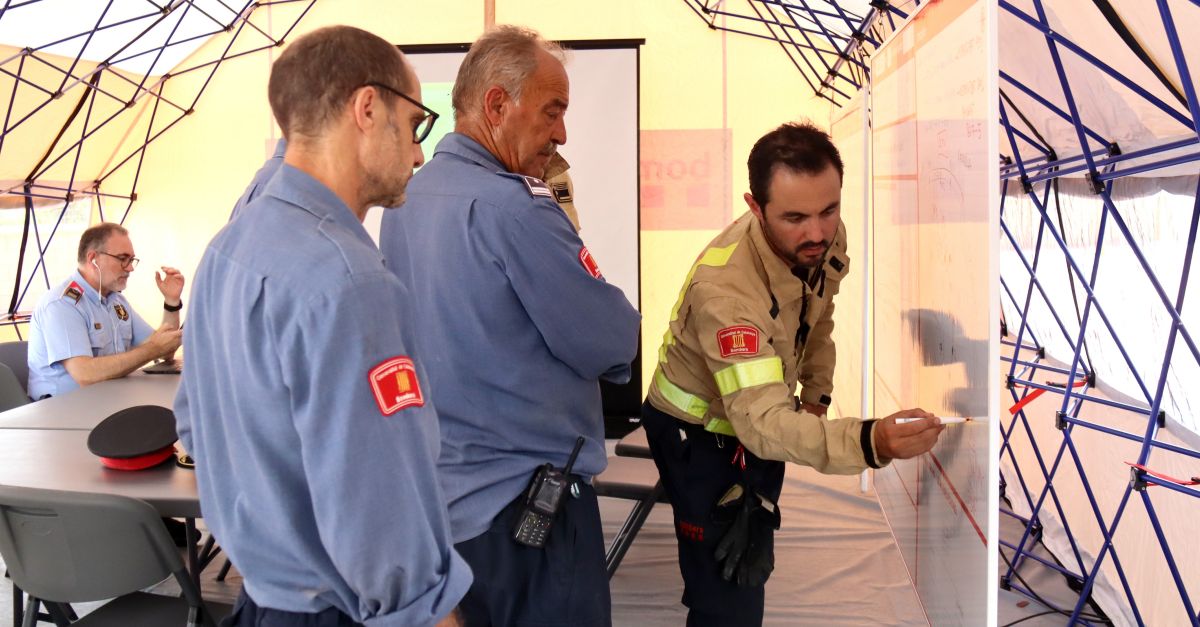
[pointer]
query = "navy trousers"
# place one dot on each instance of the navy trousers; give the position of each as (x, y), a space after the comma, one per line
(696, 468)
(247, 613)
(563, 584)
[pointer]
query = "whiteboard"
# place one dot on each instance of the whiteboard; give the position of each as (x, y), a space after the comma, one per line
(935, 334)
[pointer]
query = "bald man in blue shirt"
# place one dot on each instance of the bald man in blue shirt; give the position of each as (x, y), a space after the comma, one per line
(303, 404)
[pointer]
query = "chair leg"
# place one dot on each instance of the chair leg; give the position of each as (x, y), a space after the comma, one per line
(629, 530)
(18, 604)
(31, 612)
(60, 613)
(224, 570)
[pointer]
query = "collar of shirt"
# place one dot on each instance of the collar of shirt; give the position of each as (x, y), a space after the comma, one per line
(469, 149)
(89, 292)
(296, 187)
(280, 148)
(783, 284)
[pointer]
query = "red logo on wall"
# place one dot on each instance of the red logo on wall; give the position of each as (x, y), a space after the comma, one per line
(738, 340)
(394, 383)
(589, 263)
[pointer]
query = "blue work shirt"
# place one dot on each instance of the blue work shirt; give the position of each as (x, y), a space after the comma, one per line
(261, 178)
(72, 320)
(518, 332)
(314, 439)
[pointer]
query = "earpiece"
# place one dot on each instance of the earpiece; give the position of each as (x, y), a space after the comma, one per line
(94, 264)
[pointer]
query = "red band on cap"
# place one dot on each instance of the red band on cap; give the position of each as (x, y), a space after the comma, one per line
(140, 462)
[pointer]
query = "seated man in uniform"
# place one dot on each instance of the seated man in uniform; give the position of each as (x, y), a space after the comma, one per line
(83, 331)
(753, 323)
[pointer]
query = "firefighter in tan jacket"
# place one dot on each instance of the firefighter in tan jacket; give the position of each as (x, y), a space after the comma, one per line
(754, 321)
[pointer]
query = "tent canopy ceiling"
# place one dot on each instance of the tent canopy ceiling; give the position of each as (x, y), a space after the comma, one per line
(139, 36)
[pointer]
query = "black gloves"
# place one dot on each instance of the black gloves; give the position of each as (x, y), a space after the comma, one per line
(746, 552)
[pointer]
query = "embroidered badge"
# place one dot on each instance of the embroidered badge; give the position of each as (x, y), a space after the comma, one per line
(562, 193)
(395, 386)
(589, 263)
(537, 187)
(73, 291)
(690, 531)
(121, 313)
(738, 340)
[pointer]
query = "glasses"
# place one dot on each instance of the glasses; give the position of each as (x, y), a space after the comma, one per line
(127, 261)
(425, 126)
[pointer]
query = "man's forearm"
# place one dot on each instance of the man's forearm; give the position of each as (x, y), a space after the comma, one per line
(171, 319)
(89, 370)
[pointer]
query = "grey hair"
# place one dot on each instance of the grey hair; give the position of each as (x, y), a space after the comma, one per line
(504, 56)
(96, 237)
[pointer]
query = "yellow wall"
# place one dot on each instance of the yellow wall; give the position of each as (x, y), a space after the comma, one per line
(691, 78)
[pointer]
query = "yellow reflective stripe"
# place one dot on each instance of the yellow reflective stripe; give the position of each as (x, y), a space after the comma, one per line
(668, 341)
(720, 425)
(748, 374)
(685, 401)
(715, 257)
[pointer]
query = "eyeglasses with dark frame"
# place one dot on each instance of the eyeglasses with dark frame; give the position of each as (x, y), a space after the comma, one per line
(425, 126)
(127, 261)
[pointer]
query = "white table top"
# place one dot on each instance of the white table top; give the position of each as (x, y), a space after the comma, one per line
(86, 407)
(58, 459)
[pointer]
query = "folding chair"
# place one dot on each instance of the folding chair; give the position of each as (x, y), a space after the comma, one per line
(635, 479)
(15, 355)
(12, 393)
(74, 547)
(634, 444)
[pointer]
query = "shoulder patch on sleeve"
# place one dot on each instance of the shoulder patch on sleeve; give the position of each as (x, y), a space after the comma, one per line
(395, 386)
(73, 292)
(739, 339)
(537, 187)
(837, 264)
(589, 263)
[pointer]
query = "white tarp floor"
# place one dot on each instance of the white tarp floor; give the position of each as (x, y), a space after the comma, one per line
(836, 564)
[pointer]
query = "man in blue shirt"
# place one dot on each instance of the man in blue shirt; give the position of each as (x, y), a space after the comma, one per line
(520, 328)
(84, 331)
(261, 178)
(306, 411)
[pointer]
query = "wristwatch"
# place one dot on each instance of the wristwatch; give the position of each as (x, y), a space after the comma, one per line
(171, 309)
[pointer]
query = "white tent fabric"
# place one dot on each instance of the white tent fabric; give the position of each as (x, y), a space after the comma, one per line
(1105, 105)
(129, 32)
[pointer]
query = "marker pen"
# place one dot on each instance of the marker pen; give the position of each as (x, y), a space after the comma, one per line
(946, 420)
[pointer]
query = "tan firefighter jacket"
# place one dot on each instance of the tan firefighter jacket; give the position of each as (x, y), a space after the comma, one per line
(744, 332)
